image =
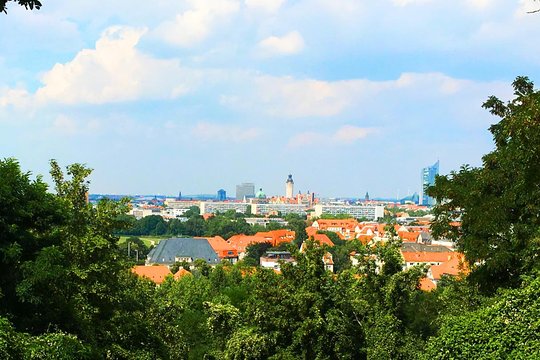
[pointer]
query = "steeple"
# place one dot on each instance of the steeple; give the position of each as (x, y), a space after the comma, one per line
(289, 187)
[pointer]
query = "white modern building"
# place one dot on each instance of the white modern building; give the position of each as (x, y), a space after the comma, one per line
(212, 207)
(368, 211)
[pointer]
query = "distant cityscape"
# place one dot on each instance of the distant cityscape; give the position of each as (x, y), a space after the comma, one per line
(246, 193)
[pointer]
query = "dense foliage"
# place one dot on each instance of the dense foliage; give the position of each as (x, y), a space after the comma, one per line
(192, 224)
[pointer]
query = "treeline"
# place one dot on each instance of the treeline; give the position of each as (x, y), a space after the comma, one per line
(222, 224)
(67, 292)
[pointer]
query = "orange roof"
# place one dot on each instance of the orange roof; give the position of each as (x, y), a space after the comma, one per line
(155, 273)
(322, 239)
(207, 216)
(427, 284)
(310, 231)
(222, 247)
(327, 259)
(408, 236)
(426, 256)
(276, 237)
(181, 272)
(455, 266)
(365, 239)
(349, 224)
(241, 242)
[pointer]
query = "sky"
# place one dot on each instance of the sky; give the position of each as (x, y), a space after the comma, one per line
(348, 96)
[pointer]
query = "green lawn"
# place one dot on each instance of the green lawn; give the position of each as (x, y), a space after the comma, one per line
(148, 240)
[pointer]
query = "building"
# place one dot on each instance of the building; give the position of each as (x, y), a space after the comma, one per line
(289, 187)
(212, 207)
(170, 251)
(368, 211)
(245, 191)
(221, 195)
(265, 221)
(157, 273)
(429, 174)
(274, 259)
(279, 209)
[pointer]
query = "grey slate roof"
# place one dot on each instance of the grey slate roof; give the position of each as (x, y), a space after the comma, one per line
(167, 250)
(415, 247)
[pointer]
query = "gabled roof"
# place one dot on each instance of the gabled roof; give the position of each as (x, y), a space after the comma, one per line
(310, 231)
(455, 266)
(168, 250)
(427, 284)
(324, 224)
(322, 239)
(180, 273)
(241, 242)
(156, 273)
(222, 247)
(409, 236)
(414, 252)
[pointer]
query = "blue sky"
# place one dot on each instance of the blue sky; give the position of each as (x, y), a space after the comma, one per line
(347, 95)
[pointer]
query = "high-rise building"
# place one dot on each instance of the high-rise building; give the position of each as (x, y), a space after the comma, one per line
(289, 187)
(429, 174)
(245, 191)
(221, 195)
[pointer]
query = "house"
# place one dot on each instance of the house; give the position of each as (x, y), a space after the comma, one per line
(156, 273)
(322, 239)
(420, 254)
(345, 227)
(181, 273)
(241, 242)
(273, 259)
(223, 249)
(327, 259)
(170, 251)
(276, 237)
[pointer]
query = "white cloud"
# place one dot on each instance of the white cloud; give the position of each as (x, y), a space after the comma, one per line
(114, 71)
(346, 134)
(270, 6)
(65, 125)
(349, 134)
(221, 132)
(289, 44)
(195, 25)
(17, 97)
(288, 97)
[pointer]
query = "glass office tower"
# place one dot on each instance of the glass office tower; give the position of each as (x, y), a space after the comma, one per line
(428, 178)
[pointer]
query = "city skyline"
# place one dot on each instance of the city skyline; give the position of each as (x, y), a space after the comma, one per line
(348, 96)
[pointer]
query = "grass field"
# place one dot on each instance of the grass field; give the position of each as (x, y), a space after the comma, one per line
(148, 240)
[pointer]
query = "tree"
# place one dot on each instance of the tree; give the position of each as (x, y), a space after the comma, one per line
(28, 4)
(498, 204)
(506, 328)
(254, 251)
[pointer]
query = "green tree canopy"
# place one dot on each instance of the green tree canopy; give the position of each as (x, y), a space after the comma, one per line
(498, 203)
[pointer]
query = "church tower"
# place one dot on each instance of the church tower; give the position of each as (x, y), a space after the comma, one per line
(289, 187)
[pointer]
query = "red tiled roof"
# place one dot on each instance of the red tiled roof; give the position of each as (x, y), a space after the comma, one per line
(427, 284)
(408, 236)
(156, 273)
(241, 242)
(455, 266)
(276, 237)
(426, 256)
(180, 273)
(322, 239)
(222, 247)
